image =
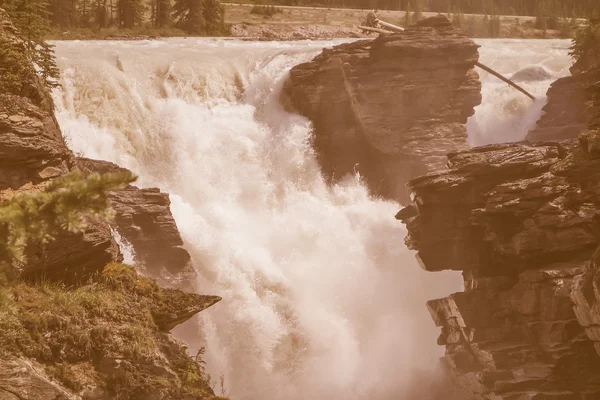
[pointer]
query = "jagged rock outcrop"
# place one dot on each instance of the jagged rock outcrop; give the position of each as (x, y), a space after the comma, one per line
(32, 148)
(522, 223)
(143, 218)
(71, 326)
(33, 151)
(72, 257)
(566, 114)
(389, 108)
(104, 340)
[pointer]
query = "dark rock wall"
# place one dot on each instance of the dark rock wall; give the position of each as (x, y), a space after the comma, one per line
(143, 218)
(566, 113)
(389, 108)
(522, 223)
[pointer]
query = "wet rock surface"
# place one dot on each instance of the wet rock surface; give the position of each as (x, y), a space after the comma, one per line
(521, 222)
(566, 114)
(143, 218)
(76, 324)
(389, 108)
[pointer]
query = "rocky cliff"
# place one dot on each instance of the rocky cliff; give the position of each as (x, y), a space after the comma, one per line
(77, 324)
(522, 223)
(143, 218)
(566, 114)
(389, 108)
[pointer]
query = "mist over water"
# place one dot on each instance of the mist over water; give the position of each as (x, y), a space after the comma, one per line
(321, 299)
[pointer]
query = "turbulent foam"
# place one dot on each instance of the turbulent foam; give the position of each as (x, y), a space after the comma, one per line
(321, 299)
(505, 114)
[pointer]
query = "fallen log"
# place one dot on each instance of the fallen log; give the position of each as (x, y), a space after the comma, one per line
(390, 26)
(511, 83)
(369, 29)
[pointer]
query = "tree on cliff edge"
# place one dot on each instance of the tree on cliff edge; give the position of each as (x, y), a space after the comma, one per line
(32, 19)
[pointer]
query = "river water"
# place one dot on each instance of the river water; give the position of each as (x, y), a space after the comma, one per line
(321, 299)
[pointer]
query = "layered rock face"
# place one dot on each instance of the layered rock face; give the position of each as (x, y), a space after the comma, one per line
(389, 108)
(33, 151)
(522, 223)
(143, 218)
(97, 331)
(566, 114)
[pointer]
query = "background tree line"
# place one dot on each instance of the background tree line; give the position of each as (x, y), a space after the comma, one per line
(35, 17)
(563, 8)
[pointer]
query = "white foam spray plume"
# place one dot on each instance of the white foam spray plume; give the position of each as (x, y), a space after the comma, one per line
(125, 247)
(505, 114)
(321, 299)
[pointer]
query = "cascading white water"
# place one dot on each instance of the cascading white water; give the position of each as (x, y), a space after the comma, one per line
(505, 114)
(321, 299)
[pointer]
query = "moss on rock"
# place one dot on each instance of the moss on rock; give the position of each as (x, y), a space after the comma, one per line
(104, 337)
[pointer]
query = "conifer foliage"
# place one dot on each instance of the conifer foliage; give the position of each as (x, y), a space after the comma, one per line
(37, 217)
(586, 48)
(32, 19)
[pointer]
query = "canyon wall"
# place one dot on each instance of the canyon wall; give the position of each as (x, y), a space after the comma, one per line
(77, 324)
(389, 108)
(521, 222)
(567, 112)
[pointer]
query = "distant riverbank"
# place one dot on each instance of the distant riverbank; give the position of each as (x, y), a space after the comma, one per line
(301, 23)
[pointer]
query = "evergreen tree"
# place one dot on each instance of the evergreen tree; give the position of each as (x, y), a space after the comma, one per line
(189, 16)
(162, 16)
(63, 13)
(214, 17)
(540, 19)
(14, 65)
(32, 19)
(84, 12)
(407, 18)
(101, 13)
(458, 18)
(130, 13)
(586, 48)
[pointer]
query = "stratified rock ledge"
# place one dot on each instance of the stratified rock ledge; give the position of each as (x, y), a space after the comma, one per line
(522, 223)
(389, 108)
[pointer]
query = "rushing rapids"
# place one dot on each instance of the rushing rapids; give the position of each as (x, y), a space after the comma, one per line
(320, 299)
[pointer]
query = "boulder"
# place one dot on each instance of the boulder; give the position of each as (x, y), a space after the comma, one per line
(389, 108)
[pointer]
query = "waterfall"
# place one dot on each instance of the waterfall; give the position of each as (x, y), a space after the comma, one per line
(321, 298)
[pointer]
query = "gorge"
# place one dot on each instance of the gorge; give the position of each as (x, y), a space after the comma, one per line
(320, 298)
(299, 262)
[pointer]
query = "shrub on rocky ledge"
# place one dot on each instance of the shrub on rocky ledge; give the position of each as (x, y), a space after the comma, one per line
(106, 336)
